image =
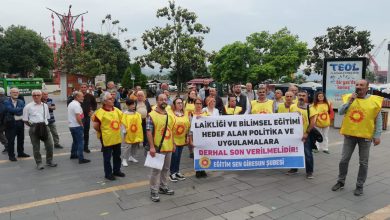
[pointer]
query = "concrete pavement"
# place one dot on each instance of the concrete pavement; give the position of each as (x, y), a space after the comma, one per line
(73, 191)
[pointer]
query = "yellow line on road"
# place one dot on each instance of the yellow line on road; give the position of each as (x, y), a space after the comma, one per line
(383, 213)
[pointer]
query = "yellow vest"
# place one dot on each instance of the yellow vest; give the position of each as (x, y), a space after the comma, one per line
(110, 124)
(282, 108)
(189, 108)
(158, 131)
(306, 120)
(233, 111)
(181, 128)
(133, 125)
(168, 108)
(323, 118)
(262, 107)
(359, 120)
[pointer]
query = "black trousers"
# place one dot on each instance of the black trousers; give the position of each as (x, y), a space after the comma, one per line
(87, 125)
(15, 129)
(115, 151)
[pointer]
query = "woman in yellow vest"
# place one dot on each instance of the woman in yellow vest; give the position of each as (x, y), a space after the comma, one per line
(324, 109)
(107, 123)
(231, 108)
(198, 112)
(133, 133)
(189, 105)
(262, 105)
(180, 138)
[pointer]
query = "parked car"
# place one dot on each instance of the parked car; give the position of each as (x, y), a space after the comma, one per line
(172, 88)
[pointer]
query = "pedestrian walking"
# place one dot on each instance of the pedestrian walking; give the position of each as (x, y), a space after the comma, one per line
(88, 105)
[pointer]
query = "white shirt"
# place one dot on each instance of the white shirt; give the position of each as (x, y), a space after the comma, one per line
(74, 108)
(33, 113)
(214, 113)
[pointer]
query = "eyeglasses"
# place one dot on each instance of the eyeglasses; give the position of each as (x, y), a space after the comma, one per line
(179, 103)
(36, 95)
(197, 103)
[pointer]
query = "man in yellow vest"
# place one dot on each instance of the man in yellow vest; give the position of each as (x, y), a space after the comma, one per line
(309, 117)
(288, 105)
(231, 108)
(362, 124)
(107, 123)
(262, 105)
(159, 130)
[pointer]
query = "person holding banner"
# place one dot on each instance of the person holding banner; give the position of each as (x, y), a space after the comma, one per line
(180, 137)
(325, 110)
(288, 105)
(159, 129)
(241, 99)
(362, 125)
(198, 112)
(210, 110)
(262, 105)
(231, 108)
(309, 116)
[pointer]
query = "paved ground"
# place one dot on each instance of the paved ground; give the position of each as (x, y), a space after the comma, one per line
(73, 191)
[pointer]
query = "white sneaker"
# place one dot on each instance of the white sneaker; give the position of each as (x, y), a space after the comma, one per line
(132, 159)
(124, 163)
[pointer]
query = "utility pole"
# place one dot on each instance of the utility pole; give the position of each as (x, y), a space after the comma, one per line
(388, 64)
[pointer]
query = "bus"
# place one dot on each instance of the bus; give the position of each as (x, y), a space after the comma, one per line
(25, 85)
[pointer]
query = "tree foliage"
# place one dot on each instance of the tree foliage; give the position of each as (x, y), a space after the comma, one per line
(338, 42)
(101, 54)
(178, 46)
(140, 79)
(23, 51)
(263, 56)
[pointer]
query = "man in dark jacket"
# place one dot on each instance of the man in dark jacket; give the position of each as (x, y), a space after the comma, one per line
(14, 125)
(89, 105)
(242, 100)
(52, 125)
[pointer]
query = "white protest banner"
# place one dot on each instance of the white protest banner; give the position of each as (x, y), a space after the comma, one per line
(245, 142)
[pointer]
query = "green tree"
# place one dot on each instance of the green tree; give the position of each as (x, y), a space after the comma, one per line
(264, 56)
(178, 46)
(101, 54)
(278, 54)
(338, 42)
(23, 51)
(231, 63)
(140, 79)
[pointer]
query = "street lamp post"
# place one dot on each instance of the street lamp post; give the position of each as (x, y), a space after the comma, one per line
(132, 78)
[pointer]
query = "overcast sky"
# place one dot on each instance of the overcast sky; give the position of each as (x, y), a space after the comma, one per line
(229, 20)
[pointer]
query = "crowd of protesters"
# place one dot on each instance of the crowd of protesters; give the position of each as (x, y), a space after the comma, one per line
(165, 128)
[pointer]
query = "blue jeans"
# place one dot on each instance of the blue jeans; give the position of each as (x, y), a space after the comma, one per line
(175, 160)
(78, 142)
(309, 160)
